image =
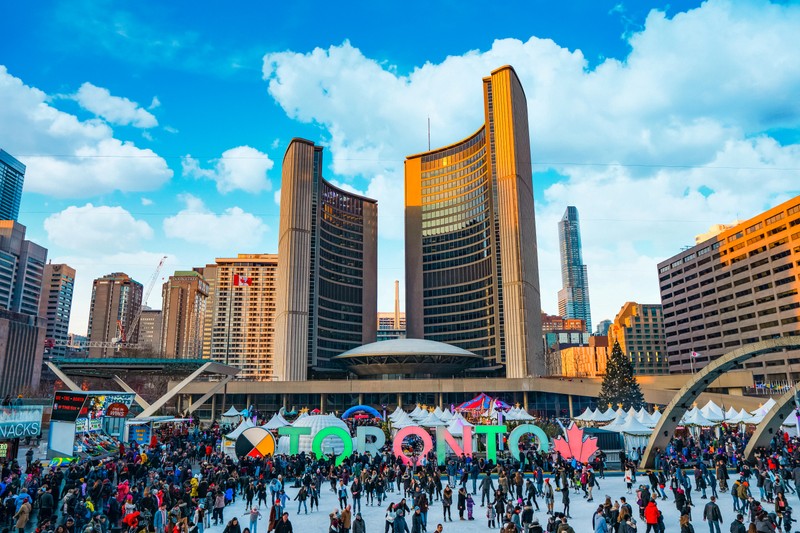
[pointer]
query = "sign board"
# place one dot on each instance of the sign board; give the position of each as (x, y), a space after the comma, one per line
(67, 405)
(16, 430)
(140, 434)
(117, 410)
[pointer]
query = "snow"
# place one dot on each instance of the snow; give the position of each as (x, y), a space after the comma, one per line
(581, 510)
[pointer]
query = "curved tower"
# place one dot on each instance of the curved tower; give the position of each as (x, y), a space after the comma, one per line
(327, 269)
(472, 276)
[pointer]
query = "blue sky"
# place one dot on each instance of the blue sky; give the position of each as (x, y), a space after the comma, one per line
(153, 128)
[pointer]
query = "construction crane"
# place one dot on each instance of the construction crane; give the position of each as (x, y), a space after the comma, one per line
(121, 340)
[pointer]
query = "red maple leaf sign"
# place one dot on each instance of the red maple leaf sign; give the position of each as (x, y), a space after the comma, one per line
(574, 445)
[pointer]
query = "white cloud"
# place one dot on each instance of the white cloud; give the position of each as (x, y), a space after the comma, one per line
(227, 232)
(687, 112)
(154, 103)
(67, 157)
(277, 197)
(115, 109)
(146, 201)
(90, 228)
(241, 168)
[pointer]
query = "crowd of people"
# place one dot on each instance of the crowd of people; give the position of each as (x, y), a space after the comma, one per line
(184, 483)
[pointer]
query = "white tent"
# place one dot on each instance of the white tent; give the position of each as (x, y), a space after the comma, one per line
(446, 415)
(585, 416)
(606, 416)
(245, 424)
(232, 412)
(432, 421)
(696, 418)
(524, 416)
(616, 423)
(316, 423)
(740, 418)
(438, 412)
(302, 415)
(402, 420)
(634, 433)
(731, 413)
(756, 418)
(416, 412)
(712, 412)
(456, 427)
(397, 412)
(764, 409)
(277, 421)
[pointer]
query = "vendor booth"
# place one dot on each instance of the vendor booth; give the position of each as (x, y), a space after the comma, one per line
(18, 422)
(86, 423)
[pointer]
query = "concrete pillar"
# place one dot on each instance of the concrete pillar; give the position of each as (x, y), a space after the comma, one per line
(360, 398)
(525, 400)
(400, 400)
(285, 401)
(213, 406)
(323, 403)
(569, 401)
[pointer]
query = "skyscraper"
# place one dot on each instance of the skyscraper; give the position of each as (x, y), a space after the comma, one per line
(21, 269)
(150, 331)
(573, 298)
(55, 304)
(472, 277)
(183, 309)
(327, 274)
(12, 176)
(240, 325)
(116, 301)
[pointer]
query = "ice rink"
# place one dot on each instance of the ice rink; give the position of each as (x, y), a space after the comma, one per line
(580, 510)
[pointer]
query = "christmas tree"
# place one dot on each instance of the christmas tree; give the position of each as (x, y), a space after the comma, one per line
(619, 384)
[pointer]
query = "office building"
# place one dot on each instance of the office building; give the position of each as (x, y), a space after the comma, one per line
(55, 304)
(150, 331)
(472, 276)
(240, 323)
(602, 328)
(21, 269)
(12, 176)
(734, 289)
(559, 323)
(580, 361)
(639, 329)
(573, 298)
(21, 352)
(183, 307)
(116, 301)
(327, 274)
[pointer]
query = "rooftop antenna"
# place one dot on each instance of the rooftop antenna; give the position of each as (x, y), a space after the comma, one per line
(429, 134)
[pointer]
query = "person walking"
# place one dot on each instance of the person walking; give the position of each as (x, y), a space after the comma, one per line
(254, 516)
(565, 501)
(737, 526)
(447, 502)
(713, 515)
(462, 502)
(22, 515)
(284, 525)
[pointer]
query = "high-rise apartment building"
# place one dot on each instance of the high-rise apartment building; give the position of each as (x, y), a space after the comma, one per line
(21, 351)
(327, 275)
(22, 265)
(183, 307)
(116, 301)
(736, 288)
(240, 324)
(639, 329)
(150, 331)
(55, 304)
(573, 298)
(472, 277)
(12, 176)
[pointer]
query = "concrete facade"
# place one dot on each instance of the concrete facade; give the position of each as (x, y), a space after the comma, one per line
(184, 297)
(55, 304)
(150, 331)
(240, 323)
(737, 288)
(472, 276)
(22, 265)
(116, 300)
(327, 274)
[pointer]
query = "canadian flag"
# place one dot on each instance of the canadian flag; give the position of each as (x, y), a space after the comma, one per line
(241, 281)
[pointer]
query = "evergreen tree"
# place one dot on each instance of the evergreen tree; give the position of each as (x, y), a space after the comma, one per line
(619, 383)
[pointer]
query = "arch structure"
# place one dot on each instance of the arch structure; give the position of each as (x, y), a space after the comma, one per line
(684, 398)
(361, 409)
(771, 423)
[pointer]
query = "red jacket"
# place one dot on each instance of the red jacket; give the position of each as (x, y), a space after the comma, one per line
(651, 513)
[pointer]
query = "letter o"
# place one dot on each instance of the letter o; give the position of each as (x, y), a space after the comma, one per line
(397, 442)
(343, 434)
(519, 431)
